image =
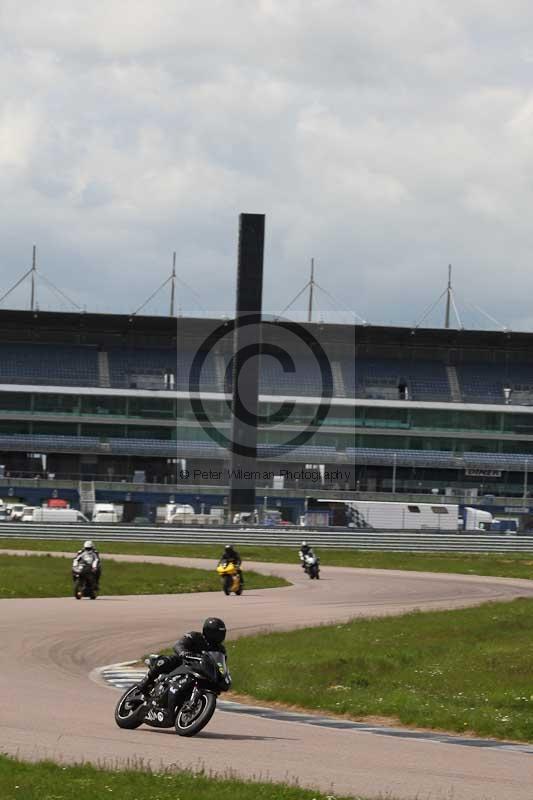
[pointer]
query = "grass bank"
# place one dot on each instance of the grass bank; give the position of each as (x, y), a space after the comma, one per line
(47, 576)
(469, 670)
(47, 781)
(505, 565)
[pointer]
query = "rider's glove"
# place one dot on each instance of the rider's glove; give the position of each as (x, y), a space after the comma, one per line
(145, 684)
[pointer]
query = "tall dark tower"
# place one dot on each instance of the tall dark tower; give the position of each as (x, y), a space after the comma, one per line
(246, 362)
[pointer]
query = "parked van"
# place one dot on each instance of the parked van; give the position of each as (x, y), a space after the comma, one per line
(64, 515)
(178, 512)
(105, 513)
(27, 513)
(15, 511)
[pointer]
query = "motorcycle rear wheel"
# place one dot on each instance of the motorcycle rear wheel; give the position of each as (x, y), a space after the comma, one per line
(130, 718)
(189, 723)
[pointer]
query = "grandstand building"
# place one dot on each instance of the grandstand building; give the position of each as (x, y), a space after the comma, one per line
(105, 400)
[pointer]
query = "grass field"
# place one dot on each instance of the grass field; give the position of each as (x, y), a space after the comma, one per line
(507, 565)
(468, 670)
(47, 781)
(47, 576)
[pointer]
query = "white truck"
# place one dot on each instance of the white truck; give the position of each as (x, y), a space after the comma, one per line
(105, 513)
(477, 520)
(175, 512)
(15, 511)
(61, 515)
(27, 514)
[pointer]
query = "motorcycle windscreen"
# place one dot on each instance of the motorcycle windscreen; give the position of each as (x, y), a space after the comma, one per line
(220, 664)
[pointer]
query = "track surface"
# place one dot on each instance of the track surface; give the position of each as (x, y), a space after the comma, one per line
(50, 707)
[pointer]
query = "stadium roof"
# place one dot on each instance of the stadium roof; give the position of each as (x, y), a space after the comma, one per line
(127, 329)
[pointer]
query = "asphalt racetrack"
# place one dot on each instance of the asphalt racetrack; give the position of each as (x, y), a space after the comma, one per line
(51, 707)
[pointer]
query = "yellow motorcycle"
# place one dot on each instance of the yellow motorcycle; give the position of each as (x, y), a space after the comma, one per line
(231, 577)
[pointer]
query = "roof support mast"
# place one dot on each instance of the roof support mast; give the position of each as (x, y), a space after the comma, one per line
(311, 287)
(33, 271)
(448, 298)
(173, 285)
(311, 284)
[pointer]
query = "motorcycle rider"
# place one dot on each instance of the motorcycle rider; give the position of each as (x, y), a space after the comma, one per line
(232, 556)
(305, 550)
(192, 643)
(89, 548)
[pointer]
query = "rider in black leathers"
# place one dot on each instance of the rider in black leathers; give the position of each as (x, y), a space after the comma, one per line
(230, 554)
(192, 643)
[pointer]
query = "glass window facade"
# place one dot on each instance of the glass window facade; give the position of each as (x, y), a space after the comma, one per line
(151, 408)
(11, 401)
(56, 404)
(106, 406)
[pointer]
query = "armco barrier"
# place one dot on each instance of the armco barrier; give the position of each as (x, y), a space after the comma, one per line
(352, 540)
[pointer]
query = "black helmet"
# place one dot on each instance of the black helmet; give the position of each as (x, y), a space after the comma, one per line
(214, 630)
(228, 547)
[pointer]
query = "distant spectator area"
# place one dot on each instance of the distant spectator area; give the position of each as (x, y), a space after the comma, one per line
(427, 380)
(57, 365)
(160, 368)
(496, 383)
(399, 379)
(157, 368)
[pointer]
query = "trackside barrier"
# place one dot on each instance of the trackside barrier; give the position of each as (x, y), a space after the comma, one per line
(348, 540)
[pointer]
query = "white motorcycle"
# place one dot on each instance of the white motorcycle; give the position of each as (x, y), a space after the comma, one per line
(312, 566)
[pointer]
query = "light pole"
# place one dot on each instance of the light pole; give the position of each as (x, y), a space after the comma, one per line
(525, 479)
(394, 473)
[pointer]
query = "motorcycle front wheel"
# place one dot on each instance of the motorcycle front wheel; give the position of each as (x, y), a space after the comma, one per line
(129, 711)
(191, 720)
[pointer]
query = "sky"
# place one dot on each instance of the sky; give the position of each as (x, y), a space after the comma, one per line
(383, 138)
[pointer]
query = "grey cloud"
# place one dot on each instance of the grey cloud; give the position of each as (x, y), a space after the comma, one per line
(385, 139)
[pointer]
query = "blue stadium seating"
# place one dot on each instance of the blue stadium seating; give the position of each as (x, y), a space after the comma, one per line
(57, 365)
(481, 383)
(348, 374)
(513, 462)
(372, 378)
(485, 383)
(145, 368)
(380, 379)
(306, 380)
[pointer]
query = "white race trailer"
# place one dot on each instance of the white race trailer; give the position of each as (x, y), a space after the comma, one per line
(370, 514)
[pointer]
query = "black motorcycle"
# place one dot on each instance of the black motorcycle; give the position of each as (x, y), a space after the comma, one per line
(84, 578)
(193, 687)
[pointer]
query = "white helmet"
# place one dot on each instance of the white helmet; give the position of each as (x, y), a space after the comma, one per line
(304, 544)
(88, 545)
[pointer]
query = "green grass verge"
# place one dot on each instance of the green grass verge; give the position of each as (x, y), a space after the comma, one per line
(505, 565)
(47, 576)
(468, 670)
(47, 781)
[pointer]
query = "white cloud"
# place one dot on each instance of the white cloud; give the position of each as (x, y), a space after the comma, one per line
(384, 138)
